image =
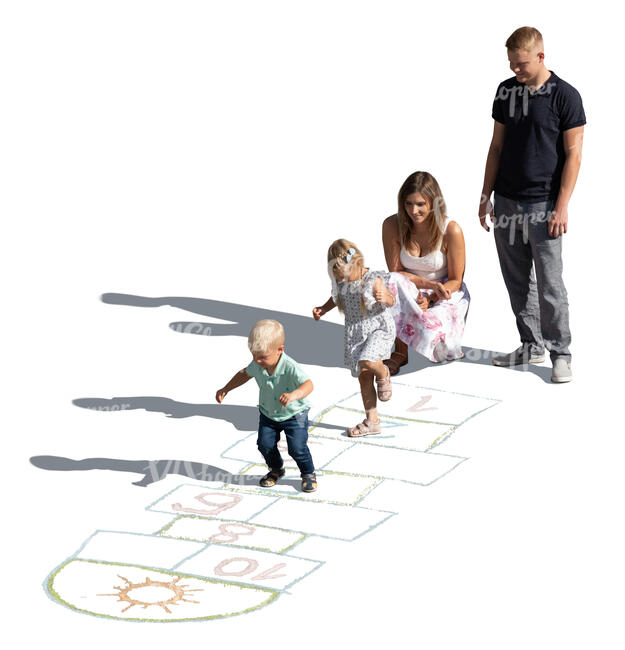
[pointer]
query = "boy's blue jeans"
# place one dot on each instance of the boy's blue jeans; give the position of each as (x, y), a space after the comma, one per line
(296, 430)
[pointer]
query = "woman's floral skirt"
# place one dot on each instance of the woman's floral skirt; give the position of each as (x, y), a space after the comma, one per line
(424, 330)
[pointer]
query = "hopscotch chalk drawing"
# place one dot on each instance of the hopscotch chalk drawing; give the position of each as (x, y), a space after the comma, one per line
(231, 548)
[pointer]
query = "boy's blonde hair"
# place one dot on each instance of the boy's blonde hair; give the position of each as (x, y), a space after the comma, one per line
(339, 258)
(525, 38)
(266, 335)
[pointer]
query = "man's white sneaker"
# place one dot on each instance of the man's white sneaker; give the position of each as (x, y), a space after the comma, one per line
(561, 371)
(519, 356)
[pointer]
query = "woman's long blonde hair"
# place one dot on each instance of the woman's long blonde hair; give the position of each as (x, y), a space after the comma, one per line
(337, 262)
(425, 184)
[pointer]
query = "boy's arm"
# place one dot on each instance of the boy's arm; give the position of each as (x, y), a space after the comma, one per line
(300, 392)
(238, 380)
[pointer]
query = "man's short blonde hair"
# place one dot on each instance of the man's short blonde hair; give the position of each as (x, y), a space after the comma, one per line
(525, 38)
(266, 335)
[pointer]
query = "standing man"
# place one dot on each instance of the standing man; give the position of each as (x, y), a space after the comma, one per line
(532, 166)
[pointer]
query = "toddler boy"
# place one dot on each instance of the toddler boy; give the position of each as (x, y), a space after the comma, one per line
(283, 388)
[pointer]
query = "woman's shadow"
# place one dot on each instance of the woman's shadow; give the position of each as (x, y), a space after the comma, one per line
(311, 342)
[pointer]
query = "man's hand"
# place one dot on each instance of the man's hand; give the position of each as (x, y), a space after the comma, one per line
(221, 393)
(486, 209)
(558, 221)
(318, 312)
(422, 301)
(285, 398)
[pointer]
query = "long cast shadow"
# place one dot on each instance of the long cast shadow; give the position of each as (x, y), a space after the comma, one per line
(309, 341)
(312, 342)
(243, 418)
(152, 470)
(485, 358)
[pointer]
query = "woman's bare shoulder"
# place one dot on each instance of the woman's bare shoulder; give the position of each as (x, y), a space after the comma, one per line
(390, 224)
(453, 230)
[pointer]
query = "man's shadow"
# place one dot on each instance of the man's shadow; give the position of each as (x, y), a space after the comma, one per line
(153, 470)
(310, 342)
(478, 356)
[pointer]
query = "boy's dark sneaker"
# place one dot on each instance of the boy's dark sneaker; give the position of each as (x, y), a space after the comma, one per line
(271, 478)
(309, 482)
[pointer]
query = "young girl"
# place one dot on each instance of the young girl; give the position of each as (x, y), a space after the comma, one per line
(364, 298)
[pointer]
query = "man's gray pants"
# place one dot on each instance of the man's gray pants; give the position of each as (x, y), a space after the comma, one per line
(531, 265)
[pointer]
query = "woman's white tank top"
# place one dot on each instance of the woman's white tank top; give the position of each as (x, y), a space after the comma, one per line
(432, 266)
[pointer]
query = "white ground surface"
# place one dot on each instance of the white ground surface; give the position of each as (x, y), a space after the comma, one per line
(198, 150)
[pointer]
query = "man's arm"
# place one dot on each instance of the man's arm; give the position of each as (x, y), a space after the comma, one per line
(490, 174)
(572, 139)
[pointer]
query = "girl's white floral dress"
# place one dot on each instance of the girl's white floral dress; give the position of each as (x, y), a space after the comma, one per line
(369, 335)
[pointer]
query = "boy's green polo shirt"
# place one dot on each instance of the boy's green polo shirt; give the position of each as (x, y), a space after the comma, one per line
(285, 379)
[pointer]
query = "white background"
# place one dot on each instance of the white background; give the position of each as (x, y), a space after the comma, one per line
(214, 150)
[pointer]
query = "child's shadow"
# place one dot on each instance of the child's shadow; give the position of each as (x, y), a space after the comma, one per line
(243, 418)
(153, 470)
(318, 343)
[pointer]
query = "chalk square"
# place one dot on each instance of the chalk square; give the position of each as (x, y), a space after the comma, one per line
(323, 519)
(133, 548)
(323, 450)
(223, 531)
(400, 464)
(203, 501)
(333, 487)
(425, 404)
(249, 567)
(404, 434)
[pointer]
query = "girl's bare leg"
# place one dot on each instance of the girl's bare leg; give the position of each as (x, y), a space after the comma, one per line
(368, 371)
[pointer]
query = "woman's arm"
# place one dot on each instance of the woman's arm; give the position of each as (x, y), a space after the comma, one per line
(455, 257)
(392, 250)
(392, 246)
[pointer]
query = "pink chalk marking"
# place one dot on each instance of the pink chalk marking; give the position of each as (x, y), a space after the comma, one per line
(219, 507)
(419, 405)
(266, 575)
(232, 536)
(252, 565)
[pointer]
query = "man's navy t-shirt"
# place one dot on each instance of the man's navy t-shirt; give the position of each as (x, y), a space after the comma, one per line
(532, 158)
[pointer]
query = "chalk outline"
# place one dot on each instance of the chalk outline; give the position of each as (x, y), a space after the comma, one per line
(164, 529)
(274, 501)
(453, 427)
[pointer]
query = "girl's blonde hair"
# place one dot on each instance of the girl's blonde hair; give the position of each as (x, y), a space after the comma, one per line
(339, 259)
(266, 335)
(425, 184)
(525, 38)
